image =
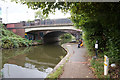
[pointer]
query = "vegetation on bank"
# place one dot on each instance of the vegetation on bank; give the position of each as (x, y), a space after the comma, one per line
(97, 66)
(56, 74)
(104, 27)
(11, 40)
(65, 38)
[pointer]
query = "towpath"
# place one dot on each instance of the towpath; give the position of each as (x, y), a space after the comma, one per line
(77, 66)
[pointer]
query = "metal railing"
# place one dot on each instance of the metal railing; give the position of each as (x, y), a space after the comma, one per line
(47, 22)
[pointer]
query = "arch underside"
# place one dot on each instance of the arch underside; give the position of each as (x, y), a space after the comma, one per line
(52, 36)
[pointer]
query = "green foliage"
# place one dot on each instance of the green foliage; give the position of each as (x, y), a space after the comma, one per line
(56, 74)
(39, 41)
(46, 7)
(65, 38)
(11, 40)
(99, 21)
(39, 15)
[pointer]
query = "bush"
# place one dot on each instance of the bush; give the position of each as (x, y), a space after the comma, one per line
(66, 38)
(11, 40)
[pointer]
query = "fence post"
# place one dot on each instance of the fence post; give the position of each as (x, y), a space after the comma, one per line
(96, 47)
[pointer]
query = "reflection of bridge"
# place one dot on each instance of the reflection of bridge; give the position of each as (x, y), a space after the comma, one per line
(48, 32)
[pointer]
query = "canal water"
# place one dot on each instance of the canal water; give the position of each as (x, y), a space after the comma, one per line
(31, 62)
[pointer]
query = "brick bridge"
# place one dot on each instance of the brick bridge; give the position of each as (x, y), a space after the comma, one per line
(49, 30)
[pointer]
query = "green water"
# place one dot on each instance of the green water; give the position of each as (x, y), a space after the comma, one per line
(31, 62)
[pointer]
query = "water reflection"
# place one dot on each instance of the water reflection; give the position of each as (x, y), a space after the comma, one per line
(32, 62)
(14, 71)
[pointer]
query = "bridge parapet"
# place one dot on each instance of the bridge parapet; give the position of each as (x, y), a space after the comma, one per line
(47, 22)
(50, 25)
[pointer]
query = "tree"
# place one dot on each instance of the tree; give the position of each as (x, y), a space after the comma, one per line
(39, 15)
(99, 21)
(46, 7)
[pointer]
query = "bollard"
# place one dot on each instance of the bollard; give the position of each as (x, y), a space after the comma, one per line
(106, 64)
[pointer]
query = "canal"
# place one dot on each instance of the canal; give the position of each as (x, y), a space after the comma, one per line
(31, 62)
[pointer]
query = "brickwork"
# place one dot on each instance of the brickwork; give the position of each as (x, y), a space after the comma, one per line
(20, 32)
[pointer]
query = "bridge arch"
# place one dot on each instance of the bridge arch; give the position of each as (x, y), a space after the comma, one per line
(52, 32)
(52, 37)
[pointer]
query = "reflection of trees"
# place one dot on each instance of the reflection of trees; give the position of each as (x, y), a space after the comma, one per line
(47, 53)
(12, 53)
(40, 65)
(42, 56)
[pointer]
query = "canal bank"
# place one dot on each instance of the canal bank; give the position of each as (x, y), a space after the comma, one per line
(74, 64)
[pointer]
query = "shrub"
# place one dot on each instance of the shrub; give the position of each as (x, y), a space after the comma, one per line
(11, 40)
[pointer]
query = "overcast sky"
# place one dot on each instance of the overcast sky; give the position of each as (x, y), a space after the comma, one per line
(12, 12)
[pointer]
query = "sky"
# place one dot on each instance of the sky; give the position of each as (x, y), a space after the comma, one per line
(13, 12)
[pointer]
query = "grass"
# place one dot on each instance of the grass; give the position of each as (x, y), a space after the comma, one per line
(97, 65)
(56, 74)
(98, 68)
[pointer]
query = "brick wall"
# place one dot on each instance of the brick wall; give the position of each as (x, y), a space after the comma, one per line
(10, 26)
(20, 32)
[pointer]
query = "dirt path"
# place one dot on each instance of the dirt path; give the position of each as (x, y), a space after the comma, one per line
(77, 66)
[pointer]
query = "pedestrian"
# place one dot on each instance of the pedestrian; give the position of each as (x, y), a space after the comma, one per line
(80, 41)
